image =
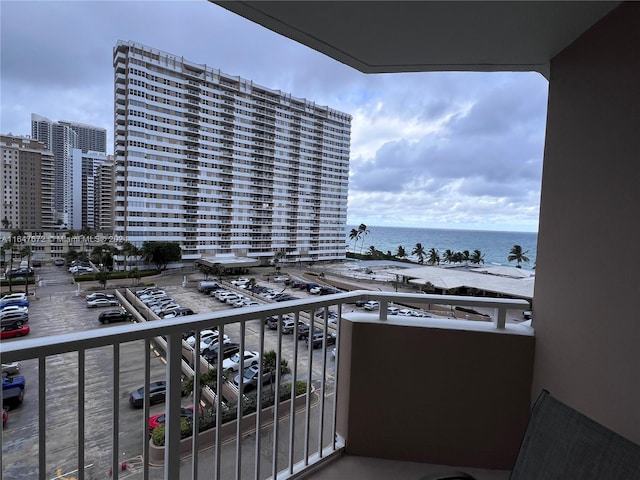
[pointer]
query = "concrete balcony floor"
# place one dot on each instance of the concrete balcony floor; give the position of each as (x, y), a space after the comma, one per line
(349, 467)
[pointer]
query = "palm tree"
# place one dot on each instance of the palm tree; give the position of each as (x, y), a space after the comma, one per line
(518, 255)
(401, 253)
(448, 256)
(363, 231)
(477, 257)
(355, 236)
(433, 257)
(466, 256)
(419, 251)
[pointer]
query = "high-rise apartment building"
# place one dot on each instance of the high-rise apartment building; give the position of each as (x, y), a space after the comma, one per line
(90, 138)
(97, 191)
(225, 166)
(67, 141)
(27, 184)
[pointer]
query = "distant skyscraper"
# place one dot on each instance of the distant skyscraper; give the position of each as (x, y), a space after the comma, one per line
(90, 138)
(62, 138)
(223, 165)
(27, 184)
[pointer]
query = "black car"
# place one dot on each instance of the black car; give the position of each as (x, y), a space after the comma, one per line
(228, 349)
(111, 316)
(157, 394)
(318, 338)
(36, 263)
(21, 272)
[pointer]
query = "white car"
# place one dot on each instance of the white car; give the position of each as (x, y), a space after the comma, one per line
(102, 302)
(209, 342)
(240, 281)
(406, 312)
(95, 296)
(14, 296)
(12, 368)
(371, 305)
(248, 359)
(315, 290)
(203, 335)
(12, 309)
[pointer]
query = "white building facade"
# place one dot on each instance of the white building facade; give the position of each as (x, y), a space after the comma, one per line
(224, 166)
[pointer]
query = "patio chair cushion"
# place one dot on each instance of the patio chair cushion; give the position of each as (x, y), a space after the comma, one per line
(561, 443)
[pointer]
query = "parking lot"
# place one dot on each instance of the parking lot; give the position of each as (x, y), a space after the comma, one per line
(59, 308)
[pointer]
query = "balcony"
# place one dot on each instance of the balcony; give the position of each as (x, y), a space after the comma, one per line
(402, 392)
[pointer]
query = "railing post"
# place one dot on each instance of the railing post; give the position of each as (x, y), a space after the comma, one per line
(501, 317)
(384, 306)
(173, 399)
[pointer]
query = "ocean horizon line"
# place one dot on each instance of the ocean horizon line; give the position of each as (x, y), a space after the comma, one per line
(445, 229)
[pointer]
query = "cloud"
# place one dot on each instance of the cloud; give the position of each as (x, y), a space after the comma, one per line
(429, 148)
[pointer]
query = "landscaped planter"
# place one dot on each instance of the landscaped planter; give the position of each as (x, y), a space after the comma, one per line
(208, 437)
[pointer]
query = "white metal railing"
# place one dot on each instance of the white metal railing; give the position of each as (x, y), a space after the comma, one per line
(310, 436)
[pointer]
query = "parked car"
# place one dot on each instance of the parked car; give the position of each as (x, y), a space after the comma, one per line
(7, 309)
(12, 397)
(36, 263)
(111, 316)
(406, 312)
(15, 381)
(58, 262)
(14, 332)
(239, 281)
(77, 270)
(209, 342)
(160, 418)
(393, 310)
(20, 272)
(289, 324)
(303, 331)
(250, 376)
(228, 349)
(14, 299)
(235, 361)
(371, 305)
(203, 335)
(315, 290)
(157, 393)
(318, 339)
(176, 312)
(280, 279)
(206, 287)
(102, 302)
(12, 368)
(96, 295)
(527, 314)
(13, 320)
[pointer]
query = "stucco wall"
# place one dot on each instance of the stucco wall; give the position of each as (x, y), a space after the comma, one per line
(586, 304)
(433, 394)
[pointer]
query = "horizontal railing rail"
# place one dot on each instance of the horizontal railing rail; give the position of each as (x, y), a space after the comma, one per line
(304, 446)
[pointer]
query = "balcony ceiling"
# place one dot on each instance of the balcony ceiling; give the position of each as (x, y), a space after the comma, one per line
(420, 36)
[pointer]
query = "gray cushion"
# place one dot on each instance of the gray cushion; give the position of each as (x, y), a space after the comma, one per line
(561, 443)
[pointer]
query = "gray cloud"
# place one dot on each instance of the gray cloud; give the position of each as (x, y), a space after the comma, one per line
(431, 149)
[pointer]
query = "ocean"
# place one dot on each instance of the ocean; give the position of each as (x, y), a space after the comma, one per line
(494, 245)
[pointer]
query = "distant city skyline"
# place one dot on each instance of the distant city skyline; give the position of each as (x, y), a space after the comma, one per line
(433, 150)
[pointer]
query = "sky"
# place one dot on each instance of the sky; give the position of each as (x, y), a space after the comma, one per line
(435, 150)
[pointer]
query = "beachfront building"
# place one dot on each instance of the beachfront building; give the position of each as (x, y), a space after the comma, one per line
(27, 183)
(223, 165)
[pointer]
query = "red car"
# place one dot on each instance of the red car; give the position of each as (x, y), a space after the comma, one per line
(15, 332)
(159, 419)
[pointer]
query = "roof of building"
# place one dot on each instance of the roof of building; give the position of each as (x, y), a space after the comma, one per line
(230, 261)
(511, 281)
